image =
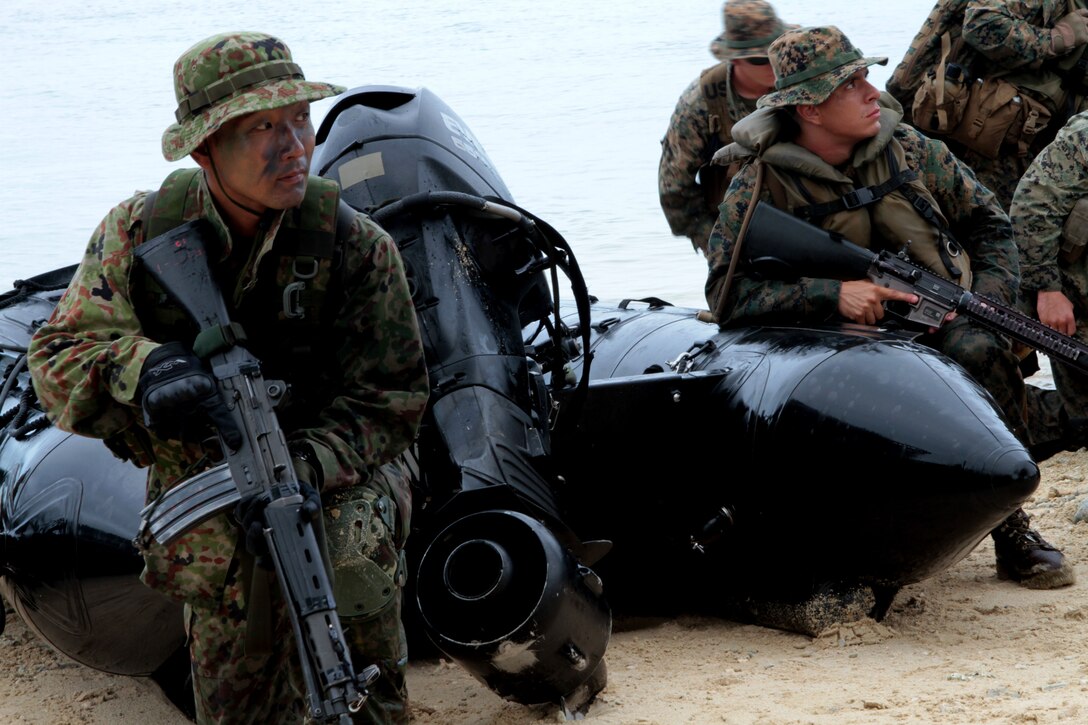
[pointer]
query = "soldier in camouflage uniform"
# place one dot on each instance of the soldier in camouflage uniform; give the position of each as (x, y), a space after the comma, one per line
(1038, 46)
(827, 148)
(355, 367)
(690, 188)
(1050, 224)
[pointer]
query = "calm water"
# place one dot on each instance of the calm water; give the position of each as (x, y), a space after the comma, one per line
(570, 100)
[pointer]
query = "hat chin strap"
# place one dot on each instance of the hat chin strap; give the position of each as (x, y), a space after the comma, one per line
(223, 188)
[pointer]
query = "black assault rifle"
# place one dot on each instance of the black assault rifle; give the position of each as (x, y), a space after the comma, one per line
(781, 246)
(261, 464)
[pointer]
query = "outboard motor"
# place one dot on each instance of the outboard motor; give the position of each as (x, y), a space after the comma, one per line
(504, 585)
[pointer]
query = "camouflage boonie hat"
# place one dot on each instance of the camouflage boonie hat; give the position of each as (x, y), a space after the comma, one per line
(750, 26)
(809, 64)
(229, 75)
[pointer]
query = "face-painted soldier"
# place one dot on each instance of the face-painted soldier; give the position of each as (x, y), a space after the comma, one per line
(324, 302)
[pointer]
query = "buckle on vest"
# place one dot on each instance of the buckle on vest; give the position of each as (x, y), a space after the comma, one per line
(292, 293)
(858, 198)
(292, 301)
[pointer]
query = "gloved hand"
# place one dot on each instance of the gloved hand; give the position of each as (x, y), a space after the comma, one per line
(308, 481)
(1070, 32)
(178, 394)
(250, 517)
(310, 508)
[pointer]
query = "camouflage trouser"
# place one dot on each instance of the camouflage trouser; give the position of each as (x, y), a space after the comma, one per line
(998, 175)
(1071, 384)
(259, 680)
(1032, 413)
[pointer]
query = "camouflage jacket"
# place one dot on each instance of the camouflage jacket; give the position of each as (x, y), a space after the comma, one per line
(1011, 39)
(688, 146)
(1014, 39)
(86, 361)
(1010, 35)
(969, 209)
(1054, 182)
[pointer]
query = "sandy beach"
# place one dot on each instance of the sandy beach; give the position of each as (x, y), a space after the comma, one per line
(962, 647)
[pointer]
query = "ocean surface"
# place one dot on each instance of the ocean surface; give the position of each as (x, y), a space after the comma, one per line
(569, 99)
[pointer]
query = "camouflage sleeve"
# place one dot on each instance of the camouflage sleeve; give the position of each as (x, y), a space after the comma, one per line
(1011, 33)
(973, 213)
(85, 360)
(684, 150)
(751, 300)
(1047, 192)
(384, 386)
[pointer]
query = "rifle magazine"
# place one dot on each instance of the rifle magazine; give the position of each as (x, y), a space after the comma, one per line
(188, 504)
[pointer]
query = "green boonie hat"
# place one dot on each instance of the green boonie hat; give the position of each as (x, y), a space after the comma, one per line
(809, 64)
(229, 75)
(750, 26)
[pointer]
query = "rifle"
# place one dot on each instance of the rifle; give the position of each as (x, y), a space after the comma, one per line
(260, 465)
(781, 246)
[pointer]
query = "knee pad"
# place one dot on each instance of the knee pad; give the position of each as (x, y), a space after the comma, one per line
(367, 565)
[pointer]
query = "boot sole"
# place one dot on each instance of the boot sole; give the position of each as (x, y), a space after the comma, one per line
(1052, 579)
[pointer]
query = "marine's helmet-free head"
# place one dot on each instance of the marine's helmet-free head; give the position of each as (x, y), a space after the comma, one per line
(750, 27)
(810, 63)
(229, 75)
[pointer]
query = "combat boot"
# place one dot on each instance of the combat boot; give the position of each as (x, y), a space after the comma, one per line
(1025, 557)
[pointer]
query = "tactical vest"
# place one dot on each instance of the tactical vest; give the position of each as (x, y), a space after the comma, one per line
(288, 311)
(714, 82)
(887, 207)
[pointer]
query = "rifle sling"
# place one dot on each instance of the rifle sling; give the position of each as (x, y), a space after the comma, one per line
(212, 340)
(723, 296)
(258, 603)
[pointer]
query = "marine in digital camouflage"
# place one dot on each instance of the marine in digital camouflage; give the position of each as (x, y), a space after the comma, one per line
(686, 150)
(688, 187)
(1051, 187)
(1013, 40)
(971, 211)
(1016, 38)
(361, 389)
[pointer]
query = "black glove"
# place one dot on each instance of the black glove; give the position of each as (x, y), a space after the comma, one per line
(179, 395)
(250, 517)
(309, 480)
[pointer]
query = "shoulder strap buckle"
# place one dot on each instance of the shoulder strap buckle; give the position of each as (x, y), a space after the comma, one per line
(858, 198)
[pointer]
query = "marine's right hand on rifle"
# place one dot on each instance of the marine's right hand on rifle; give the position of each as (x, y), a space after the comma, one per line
(863, 302)
(180, 396)
(1055, 310)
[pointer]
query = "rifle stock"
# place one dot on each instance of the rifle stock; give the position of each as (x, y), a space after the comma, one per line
(261, 464)
(781, 246)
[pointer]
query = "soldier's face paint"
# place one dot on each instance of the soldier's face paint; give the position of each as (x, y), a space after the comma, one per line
(263, 158)
(851, 112)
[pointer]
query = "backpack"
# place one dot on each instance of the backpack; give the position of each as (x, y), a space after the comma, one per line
(925, 51)
(1001, 112)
